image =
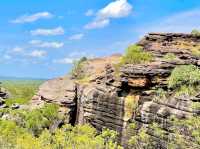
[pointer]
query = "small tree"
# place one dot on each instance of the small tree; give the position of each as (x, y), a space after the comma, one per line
(77, 68)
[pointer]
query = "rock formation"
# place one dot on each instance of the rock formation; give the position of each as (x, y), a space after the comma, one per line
(103, 98)
(3, 96)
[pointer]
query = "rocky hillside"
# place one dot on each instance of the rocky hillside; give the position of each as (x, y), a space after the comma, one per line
(116, 96)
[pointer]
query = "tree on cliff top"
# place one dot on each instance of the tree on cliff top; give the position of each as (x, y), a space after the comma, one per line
(76, 71)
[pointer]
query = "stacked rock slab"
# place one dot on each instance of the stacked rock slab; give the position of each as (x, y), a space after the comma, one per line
(101, 101)
(60, 91)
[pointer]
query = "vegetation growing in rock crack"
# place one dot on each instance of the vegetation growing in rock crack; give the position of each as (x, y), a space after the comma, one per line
(131, 104)
(170, 57)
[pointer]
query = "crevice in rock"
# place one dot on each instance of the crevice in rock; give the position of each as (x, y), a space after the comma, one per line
(73, 112)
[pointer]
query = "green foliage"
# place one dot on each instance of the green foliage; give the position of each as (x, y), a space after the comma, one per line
(187, 90)
(138, 139)
(160, 94)
(195, 32)
(196, 51)
(170, 57)
(38, 119)
(186, 133)
(67, 137)
(21, 90)
(77, 68)
(185, 74)
(135, 55)
(131, 104)
(196, 106)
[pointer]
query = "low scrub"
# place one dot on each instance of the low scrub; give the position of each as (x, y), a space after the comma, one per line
(136, 55)
(21, 90)
(195, 32)
(170, 57)
(184, 75)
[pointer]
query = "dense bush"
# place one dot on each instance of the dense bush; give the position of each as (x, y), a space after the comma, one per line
(67, 137)
(184, 75)
(135, 55)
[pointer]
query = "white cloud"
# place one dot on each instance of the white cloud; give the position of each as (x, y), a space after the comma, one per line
(181, 22)
(114, 10)
(76, 37)
(97, 24)
(48, 32)
(17, 50)
(65, 60)
(33, 17)
(41, 44)
(89, 12)
(38, 53)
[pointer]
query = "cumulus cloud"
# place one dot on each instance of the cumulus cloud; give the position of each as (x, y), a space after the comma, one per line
(114, 10)
(65, 60)
(38, 53)
(41, 44)
(76, 37)
(32, 18)
(48, 32)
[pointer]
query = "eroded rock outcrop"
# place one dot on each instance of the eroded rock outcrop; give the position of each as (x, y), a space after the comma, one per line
(104, 98)
(61, 91)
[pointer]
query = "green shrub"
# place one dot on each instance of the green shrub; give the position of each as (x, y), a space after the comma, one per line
(184, 75)
(39, 119)
(135, 55)
(187, 90)
(196, 51)
(50, 111)
(77, 69)
(138, 139)
(195, 32)
(170, 57)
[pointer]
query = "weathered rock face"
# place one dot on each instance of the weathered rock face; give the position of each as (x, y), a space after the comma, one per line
(4, 94)
(105, 99)
(61, 91)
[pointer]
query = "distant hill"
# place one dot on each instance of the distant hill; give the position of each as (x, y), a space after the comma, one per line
(20, 78)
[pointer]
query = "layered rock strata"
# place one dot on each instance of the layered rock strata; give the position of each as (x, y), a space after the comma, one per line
(104, 98)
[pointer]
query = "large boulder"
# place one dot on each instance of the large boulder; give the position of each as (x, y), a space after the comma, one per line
(60, 91)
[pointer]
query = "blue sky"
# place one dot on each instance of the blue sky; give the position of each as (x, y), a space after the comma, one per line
(41, 39)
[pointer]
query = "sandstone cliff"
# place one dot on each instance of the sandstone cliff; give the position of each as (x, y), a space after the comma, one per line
(113, 98)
